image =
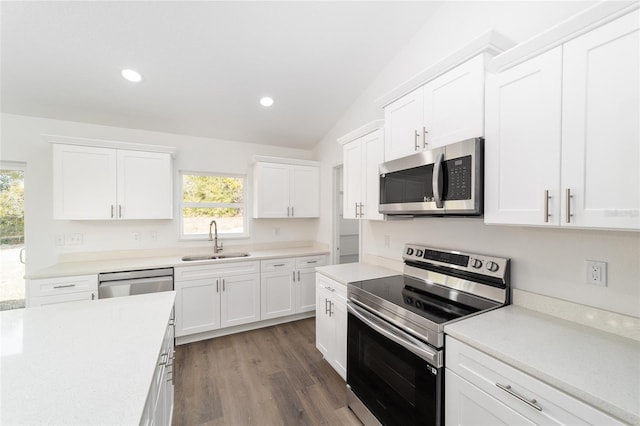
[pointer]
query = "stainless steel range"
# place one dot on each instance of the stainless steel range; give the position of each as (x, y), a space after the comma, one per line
(395, 343)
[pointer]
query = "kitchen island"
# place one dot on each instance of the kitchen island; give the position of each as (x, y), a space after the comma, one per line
(87, 362)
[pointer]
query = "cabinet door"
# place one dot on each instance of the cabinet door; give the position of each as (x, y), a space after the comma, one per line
(145, 185)
(324, 324)
(304, 191)
(277, 294)
(372, 156)
(84, 182)
(454, 105)
(522, 148)
(197, 306)
(466, 405)
(239, 300)
(352, 186)
(403, 126)
(601, 130)
(339, 318)
(271, 190)
(305, 290)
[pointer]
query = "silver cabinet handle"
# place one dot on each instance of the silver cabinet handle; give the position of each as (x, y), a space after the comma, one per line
(217, 286)
(546, 206)
(278, 265)
(435, 181)
(425, 133)
(111, 211)
(224, 285)
(356, 209)
(312, 261)
(93, 296)
(326, 309)
(298, 276)
(288, 208)
(120, 210)
(64, 286)
(530, 402)
(294, 275)
(569, 197)
(22, 256)
(292, 214)
(415, 141)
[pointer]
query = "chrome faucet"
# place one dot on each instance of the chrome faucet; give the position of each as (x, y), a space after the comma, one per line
(216, 248)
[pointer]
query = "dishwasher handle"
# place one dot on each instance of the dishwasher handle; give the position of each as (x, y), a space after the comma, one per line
(129, 275)
(137, 282)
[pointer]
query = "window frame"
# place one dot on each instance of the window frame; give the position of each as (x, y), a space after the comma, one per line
(244, 206)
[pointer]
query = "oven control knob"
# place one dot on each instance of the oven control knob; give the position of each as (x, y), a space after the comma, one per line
(408, 300)
(418, 304)
(493, 266)
(419, 252)
(476, 263)
(409, 251)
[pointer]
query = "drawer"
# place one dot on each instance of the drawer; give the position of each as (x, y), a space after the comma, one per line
(487, 373)
(332, 286)
(63, 285)
(185, 273)
(311, 261)
(62, 298)
(277, 264)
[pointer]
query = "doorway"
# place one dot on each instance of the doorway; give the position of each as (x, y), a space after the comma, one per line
(346, 240)
(12, 262)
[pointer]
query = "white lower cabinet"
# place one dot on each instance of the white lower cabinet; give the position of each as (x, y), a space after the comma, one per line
(49, 291)
(159, 407)
(481, 390)
(210, 297)
(288, 285)
(331, 322)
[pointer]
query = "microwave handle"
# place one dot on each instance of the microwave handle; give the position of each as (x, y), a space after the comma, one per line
(435, 181)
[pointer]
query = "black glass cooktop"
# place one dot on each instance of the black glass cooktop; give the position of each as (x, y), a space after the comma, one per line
(430, 301)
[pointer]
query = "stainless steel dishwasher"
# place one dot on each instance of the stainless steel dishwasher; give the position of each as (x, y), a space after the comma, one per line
(129, 283)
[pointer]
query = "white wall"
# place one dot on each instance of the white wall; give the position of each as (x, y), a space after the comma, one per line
(21, 140)
(545, 261)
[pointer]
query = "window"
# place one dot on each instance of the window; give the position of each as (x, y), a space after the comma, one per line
(207, 197)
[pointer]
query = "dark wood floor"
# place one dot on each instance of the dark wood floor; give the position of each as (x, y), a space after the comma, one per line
(271, 376)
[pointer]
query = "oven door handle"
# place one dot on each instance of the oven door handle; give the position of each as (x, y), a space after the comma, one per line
(400, 337)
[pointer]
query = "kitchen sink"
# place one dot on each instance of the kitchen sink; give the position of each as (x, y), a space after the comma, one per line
(214, 256)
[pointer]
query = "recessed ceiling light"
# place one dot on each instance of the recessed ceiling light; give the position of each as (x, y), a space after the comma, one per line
(131, 75)
(266, 101)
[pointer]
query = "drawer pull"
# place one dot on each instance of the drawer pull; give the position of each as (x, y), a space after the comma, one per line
(530, 402)
(64, 286)
(312, 261)
(278, 264)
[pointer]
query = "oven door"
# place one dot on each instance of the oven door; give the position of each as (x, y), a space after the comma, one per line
(398, 378)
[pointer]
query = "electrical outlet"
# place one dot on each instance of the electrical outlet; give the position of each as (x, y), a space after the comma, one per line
(153, 236)
(135, 236)
(74, 239)
(60, 239)
(597, 272)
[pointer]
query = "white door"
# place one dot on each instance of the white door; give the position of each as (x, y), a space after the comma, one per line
(304, 191)
(272, 190)
(372, 154)
(239, 300)
(523, 139)
(84, 182)
(352, 179)
(454, 105)
(324, 324)
(305, 290)
(145, 185)
(403, 126)
(277, 294)
(601, 126)
(197, 306)
(12, 260)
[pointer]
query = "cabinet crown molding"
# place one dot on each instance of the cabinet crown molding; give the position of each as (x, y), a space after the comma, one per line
(490, 42)
(104, 143)
(294, 161)
(583, 22)
(361, 131)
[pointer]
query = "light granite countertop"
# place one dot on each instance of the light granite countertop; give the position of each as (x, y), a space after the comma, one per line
(81, 363)
(352, 272)
(599, 368)
(128, 264)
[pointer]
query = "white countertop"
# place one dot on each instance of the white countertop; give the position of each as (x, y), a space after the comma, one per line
(81, 363)
(352, 272)
(597, 367)
(128, 264)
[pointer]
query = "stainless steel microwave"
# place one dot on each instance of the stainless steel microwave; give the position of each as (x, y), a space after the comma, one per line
(443, 181)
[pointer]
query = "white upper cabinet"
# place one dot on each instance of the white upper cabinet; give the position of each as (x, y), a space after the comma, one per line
(98, 183)
(601, 126)
(522, 147)
(447, 109)
(362, 157)
(562, 130)
(286, 189)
